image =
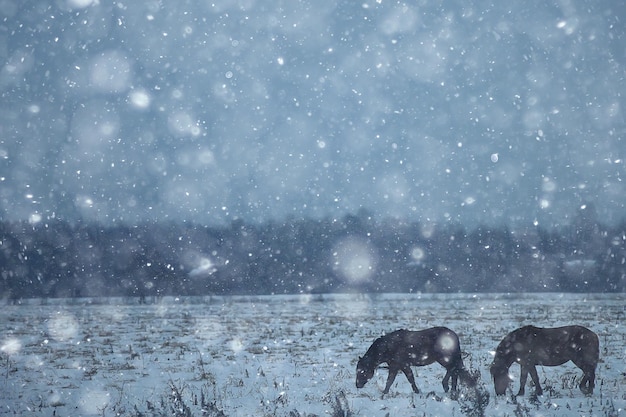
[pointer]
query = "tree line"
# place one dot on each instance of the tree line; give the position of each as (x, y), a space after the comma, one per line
(354, 253)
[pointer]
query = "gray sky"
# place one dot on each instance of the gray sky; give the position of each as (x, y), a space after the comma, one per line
(472, 112)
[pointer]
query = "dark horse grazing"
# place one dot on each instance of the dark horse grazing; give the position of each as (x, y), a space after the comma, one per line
(530, 346)
(403, 348)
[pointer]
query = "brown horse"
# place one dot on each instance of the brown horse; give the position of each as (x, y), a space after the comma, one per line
(403, 348)
(530, 346)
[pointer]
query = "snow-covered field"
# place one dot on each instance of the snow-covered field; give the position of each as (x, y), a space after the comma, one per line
(285, 355)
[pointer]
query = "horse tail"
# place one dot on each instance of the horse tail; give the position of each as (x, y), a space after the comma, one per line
(467, 378)
(464, 375)
(596, 347)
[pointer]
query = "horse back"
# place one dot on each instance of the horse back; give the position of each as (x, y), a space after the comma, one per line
(437, 344)
(577, 336)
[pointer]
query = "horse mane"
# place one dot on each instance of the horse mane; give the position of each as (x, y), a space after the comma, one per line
(375, 351)
(522, 332)
(504, 358)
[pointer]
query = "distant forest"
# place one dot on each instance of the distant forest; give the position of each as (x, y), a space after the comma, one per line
(354, 253)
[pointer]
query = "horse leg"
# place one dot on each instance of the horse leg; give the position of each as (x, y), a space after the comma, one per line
(522, 379)
(583, 384)
(535, 378)
(409, 375)
(451, 373)
(455, 378)
(445, 384)
(592, 380)
(587, 383)
(393, 371)
(454, 374)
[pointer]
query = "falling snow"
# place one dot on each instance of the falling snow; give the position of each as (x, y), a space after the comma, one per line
(446, 113)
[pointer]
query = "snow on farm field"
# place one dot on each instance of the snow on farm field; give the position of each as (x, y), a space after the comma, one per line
(286, 355)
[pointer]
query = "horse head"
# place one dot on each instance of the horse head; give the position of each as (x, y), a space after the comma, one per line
(364, 372)
(501, 378)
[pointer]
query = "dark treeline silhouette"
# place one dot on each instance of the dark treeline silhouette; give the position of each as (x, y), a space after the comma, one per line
(58, 259)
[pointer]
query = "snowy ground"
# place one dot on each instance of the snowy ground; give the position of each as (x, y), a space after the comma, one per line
(284, 355)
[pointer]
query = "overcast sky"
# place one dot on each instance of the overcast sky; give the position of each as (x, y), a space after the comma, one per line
(467, 111)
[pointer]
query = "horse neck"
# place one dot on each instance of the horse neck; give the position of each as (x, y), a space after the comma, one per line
(504, 359)
(377, 353)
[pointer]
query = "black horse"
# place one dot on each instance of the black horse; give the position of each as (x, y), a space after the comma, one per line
(530, 346)
(403, 348)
